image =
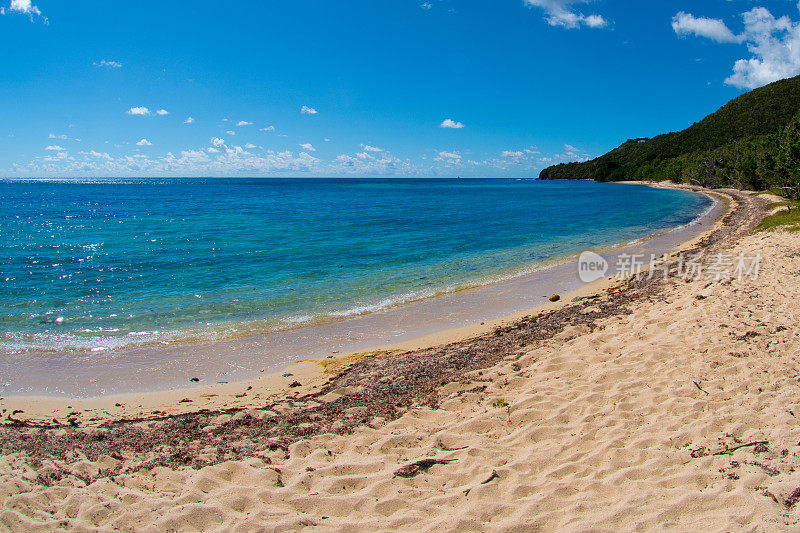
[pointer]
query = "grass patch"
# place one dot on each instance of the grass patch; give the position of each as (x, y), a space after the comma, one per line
(774, 192)
(789, 220)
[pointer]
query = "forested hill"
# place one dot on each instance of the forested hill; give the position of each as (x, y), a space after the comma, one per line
(738, 145)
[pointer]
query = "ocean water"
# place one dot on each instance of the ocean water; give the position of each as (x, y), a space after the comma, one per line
(101, 264)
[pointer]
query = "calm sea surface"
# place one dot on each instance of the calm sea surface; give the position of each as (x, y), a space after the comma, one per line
(98, 265)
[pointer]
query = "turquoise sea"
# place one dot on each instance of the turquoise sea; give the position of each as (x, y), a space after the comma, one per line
(95, 265)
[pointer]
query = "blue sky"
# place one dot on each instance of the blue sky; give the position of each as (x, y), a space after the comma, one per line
(366, 88)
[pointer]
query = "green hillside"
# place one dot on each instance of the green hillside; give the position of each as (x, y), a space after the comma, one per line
(739, 145)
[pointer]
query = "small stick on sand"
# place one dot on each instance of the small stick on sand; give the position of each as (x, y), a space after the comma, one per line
(731, 450)
(419, 467)
(446, 449)
(697, 384)
(494, 475)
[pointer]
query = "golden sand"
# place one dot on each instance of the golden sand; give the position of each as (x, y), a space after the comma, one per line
(679, 414)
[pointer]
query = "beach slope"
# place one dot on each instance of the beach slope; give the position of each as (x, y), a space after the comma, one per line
(653, 404)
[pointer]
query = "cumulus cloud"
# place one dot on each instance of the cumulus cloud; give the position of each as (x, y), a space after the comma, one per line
(189, 120)
(426, 5)
(308, 110)
(368, 148)
(140, 111)
(244, 123)
(308, 147)
(230, 132)
(162, 112)
(775, 48)
(715, 29)
(144, 142)
(773, 44)
(371, 163)
(561, 13)
(220, 159)
(450, 123)
(22, 7)
(448, 158)
(54, 136)
(268, 128)
(107, 64)
(191, 162)
(54, 147)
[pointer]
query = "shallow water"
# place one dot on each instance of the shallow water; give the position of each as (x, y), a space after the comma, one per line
(100, 265)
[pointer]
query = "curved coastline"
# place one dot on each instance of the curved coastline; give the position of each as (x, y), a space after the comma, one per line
(149, 322)
(443, 317)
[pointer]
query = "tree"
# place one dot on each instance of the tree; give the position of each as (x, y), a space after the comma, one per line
(788, 174)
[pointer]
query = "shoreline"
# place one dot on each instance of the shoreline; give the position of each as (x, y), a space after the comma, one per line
(312, 374)
(237, 334)
(655, 403)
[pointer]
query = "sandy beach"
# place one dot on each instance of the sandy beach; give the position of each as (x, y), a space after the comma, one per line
(642, 403)
(255, 351)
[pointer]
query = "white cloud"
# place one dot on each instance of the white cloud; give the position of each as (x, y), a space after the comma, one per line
(368, 148)
(308, 110)
(450, 123)
(54, 148)
(773, 43)
(561, 13)
(162, 112)
(249, 145)
(775, 46)
(219, 159)
(107, 63)
(268, 128)
(191, 162)
(99, 155)
(144, 142)
(308, 147)
(426, 5)
(715, 29)
(141, 111)
(230, 132)
(189, 120)
(371, 163)
(22, 7)
(244, 123)
(570, 148)
(448, 158)
(54, 136)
